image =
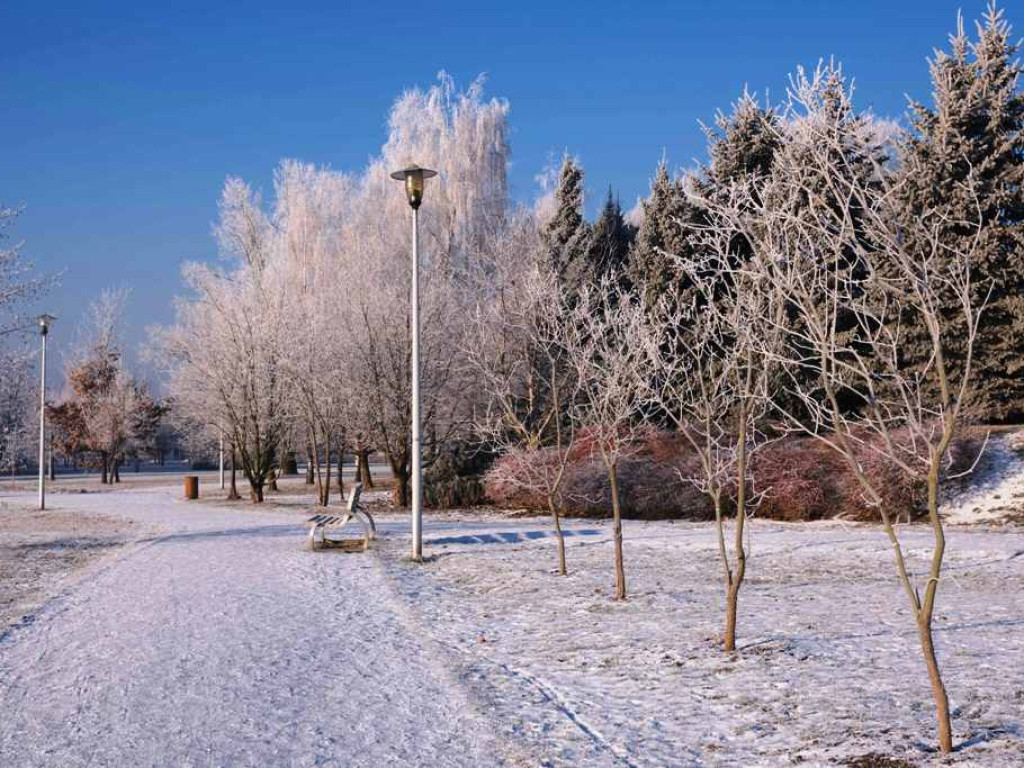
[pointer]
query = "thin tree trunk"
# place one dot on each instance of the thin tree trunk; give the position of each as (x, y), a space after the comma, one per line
(310, 468)
(620, 572)
(271, 482)
(926, 611)
(233, 493)
(924, 630)
(341, 472)
(733, 596)
(559, 536)
(325, 489)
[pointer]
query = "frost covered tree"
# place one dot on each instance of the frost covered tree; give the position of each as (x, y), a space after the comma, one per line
(711, 365)
(18, 282)
(512, 348)
(302, 342)
(222, 355)
(974, 129)
(602, 336)
(309, 221)
(462, 135)
(662, 235)
(106, 415)
(566, 234)
(741, 145)
(610, 239)
(18, 409)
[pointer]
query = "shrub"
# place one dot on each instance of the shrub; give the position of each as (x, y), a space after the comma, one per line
(798, 477)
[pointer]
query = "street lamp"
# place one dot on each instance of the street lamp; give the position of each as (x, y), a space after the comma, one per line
(44, 330)
(414, 178)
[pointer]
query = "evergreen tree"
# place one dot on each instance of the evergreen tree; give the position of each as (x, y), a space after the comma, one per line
(974, 130)
(610, 239)
(661, 235)
(566, 236)
(742, 145)
(822, 110)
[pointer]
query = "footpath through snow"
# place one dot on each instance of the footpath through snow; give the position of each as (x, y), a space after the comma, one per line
(222, 642)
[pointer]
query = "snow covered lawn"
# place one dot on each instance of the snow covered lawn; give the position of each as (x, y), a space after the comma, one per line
(42, 553)
(829, 666)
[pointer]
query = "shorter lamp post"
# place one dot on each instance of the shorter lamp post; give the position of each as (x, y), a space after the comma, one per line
(413, 176)
(44, 330)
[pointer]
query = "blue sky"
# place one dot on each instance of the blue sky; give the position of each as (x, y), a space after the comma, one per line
(120, 121)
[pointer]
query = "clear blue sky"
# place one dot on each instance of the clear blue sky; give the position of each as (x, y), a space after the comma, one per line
(120, 121)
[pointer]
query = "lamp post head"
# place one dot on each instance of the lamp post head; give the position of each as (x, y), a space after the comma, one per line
(44, 323)
(413, 176)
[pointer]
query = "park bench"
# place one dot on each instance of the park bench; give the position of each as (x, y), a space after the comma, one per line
(319, 524)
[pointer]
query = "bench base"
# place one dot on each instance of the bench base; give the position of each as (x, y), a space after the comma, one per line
(345, 545)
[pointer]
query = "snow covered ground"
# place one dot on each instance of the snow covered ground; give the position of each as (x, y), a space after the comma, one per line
(995, 491)
(221, 641)
(828, 667)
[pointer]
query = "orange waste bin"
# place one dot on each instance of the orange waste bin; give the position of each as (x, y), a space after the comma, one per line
(191, 487)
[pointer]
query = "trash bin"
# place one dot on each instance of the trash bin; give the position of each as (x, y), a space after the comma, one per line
(192, 487)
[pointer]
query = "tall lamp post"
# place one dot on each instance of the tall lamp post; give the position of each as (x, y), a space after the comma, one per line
(413, 176)
(44, 330)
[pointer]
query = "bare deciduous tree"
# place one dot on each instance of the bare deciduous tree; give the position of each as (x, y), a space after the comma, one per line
(603, 344)
(710, 377)
(513, 350)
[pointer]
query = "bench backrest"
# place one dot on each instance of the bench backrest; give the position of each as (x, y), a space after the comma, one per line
(353, 499)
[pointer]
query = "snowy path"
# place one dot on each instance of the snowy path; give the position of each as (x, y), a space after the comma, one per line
(223, 642)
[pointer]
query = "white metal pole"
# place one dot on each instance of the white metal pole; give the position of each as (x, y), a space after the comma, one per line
(42, 424)
(222, 461)
(417, 512)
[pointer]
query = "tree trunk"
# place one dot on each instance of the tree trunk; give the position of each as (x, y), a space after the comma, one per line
(103, 469)
(731, 604)
(271, 483)
(256, 492)
(736, 581)
(363, 469)
(310, 468)
(559, 536)
(233, 493)
(620, 572)
(341, 473)
(924, 630)
(401, 495)
(325, 482)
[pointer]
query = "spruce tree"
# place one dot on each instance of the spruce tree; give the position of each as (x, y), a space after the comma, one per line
(662, 234)
(566, 236)
(610, 239)
(974, 130)
(742, 145)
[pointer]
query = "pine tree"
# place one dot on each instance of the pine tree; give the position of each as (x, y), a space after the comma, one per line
(662, 234)
(610, 239)
(566, 236)
(974, 130)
